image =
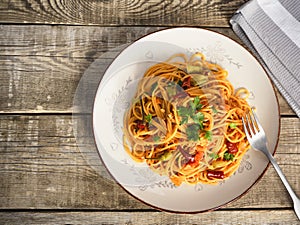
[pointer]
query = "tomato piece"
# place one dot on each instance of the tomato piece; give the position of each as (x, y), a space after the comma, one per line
(140, 125)
(193, 162)
(199, 156)
(232, 147)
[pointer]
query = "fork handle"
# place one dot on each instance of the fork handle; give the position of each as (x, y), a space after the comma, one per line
(293, 195)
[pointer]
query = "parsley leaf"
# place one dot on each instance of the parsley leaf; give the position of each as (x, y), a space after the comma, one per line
(184, 119)
(183, 111)
(201, 125)
(215, 111)
(156, 138)
(196, 105)
(148, 118)
(208, 135)
(214, 155)
(191, 111)
(198, 117)
(192, 132)
(228, 156)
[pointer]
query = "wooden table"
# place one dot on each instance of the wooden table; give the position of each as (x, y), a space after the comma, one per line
(45, 47)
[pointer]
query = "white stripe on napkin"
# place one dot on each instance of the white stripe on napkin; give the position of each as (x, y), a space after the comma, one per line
(282, 18)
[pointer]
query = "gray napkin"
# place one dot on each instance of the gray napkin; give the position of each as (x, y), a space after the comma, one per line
(271, 30)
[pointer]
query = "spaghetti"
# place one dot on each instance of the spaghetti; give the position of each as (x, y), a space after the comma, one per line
(185, 121)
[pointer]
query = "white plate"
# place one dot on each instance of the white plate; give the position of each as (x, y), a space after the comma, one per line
(118, 86)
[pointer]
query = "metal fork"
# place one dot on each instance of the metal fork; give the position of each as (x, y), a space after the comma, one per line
(258, 140)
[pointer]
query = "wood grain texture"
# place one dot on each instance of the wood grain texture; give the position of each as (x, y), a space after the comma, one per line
(120, 12)
(41, 167)
(44, 64)
(250, 217)
(47, 176)
(41, 66)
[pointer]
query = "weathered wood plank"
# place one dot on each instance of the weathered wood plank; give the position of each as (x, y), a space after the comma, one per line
(41, 167)
(248, 217)
(87, 42)
(40, 66)
(155, 12)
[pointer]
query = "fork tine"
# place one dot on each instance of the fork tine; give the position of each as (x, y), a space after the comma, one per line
(258, 125)
(252, 123)
(245, 127)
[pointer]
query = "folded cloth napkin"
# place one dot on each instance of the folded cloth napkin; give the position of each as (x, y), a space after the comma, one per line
(271, 30)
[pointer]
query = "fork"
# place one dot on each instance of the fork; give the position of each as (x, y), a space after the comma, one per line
(258, 140)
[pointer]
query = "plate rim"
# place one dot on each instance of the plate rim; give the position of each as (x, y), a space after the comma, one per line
(227, 202)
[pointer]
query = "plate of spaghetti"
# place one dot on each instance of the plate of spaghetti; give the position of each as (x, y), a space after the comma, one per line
(167, 119)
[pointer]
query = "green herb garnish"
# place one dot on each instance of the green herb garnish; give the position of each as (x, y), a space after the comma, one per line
(196, 105)
(192, 132)
(232, 125)
(184, 119)
(228, 156)
(215, 111)
(191, 111)
(198, 117)
(184, 111)
(214, 155)
(156, 138)
(148, 118)
(208, 135)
